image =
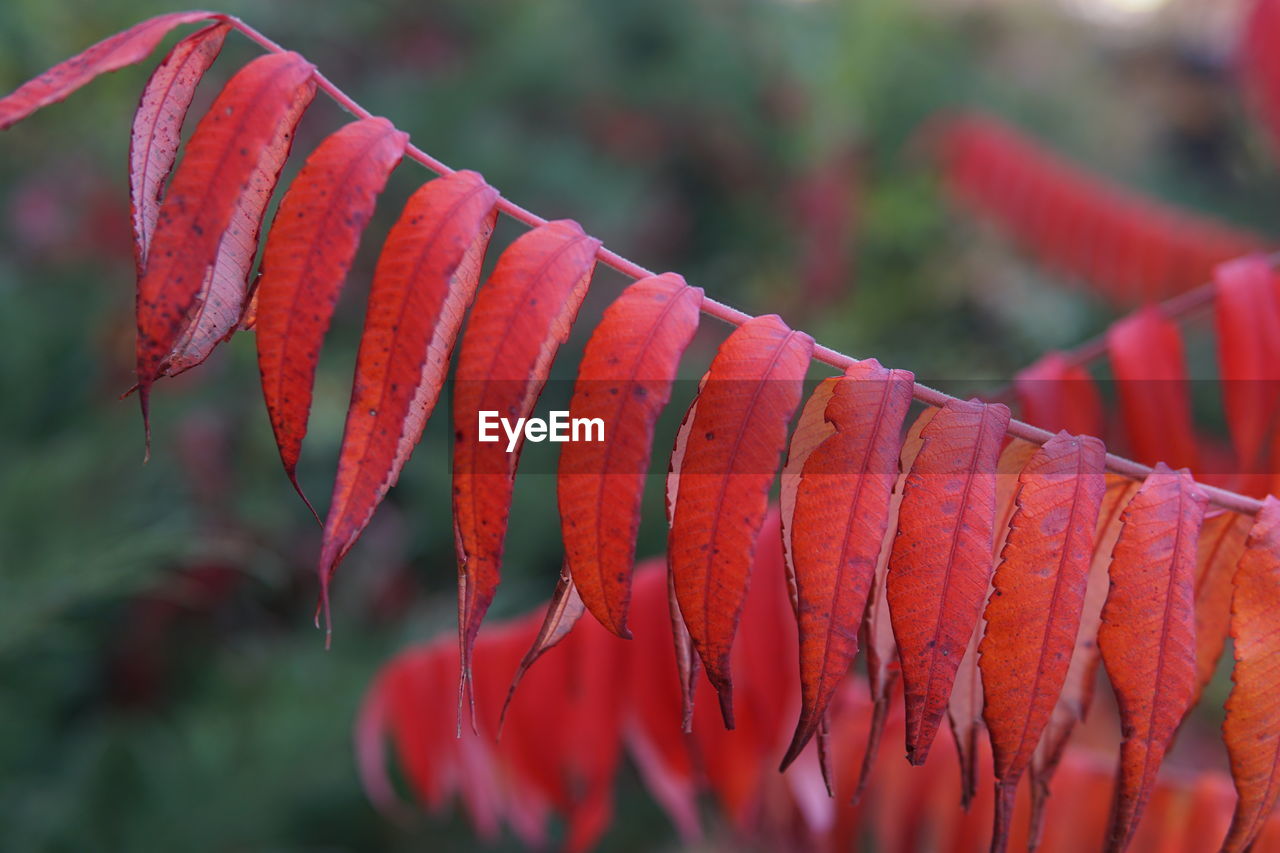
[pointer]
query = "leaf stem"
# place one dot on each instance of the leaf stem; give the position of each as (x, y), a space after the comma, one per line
(734, 317)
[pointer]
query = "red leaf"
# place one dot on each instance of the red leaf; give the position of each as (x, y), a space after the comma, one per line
(1222, 542)
(519, 321)
(843, 484)
(1252, 727)
(624, 380)
(1055, 394)
(964, 709)
(1151, 380)
(563, 612)
(737, 435)
(249, 125)
(1247, 318)
(122, 49)
(1033, 617)
(157, 127)
(224, 303)
(877, 631)
(686, 657)
(1147, 636)
(1078, 688)
(425, 278)
(941, 560)
(309, 251)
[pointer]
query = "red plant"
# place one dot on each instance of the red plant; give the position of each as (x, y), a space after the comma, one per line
(925, 550)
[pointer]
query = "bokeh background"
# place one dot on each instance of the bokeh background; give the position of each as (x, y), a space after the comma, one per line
(161, 685)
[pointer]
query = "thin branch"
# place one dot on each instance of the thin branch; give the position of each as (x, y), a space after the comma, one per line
(727, 313)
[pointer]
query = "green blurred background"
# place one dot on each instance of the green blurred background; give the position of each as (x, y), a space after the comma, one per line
(161, 685)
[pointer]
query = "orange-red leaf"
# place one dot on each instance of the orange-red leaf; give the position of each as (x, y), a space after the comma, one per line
(425, 278)
(735, 439)
(1055, 394)
(157, 127)
(1033, 616)
(1147, 636)
(222, 165)
(839, 493)
(563, 612)
(877, 629)
(686, 657)
(964, 709)
(1222, 542)
(225, 300)
(1252, 727)
(1247, 318)
(309, 251)
(521, 317)
(110, 54)
(1151, 380)
(624, 380)
(1082, 672)
(940, 565)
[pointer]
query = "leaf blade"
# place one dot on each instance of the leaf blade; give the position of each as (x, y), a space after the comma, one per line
(624, 380)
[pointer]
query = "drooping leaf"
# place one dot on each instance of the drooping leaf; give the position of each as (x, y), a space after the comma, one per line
(1082, 673)
(1252, 727)
(563, 612)
(1033, 616)
(225, 299)
(249, 124)
(1222, 542)
(1055, 394)
(111, 54)
(311, 246)
(1147, 637)
(1145, 349)
(624, 381)
(1247, 319)
(964, 709)
(425, 278)
(835, 511)
(521, 317)
(735, 441)
(940, 565)
(877, 629)
(157, 127)
(686, 656)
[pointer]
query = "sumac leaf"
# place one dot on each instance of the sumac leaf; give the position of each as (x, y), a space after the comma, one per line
(113, 53)
(521, 317)
(940, 565)
(157, 127)
(735, 440)
(624, 380)
(304, 265)
(1055, 394)
(1145, 349)
(425, 278)
(221, 166)
(1222, 542)
(1082, 673)
(1247, 319)
(1147, 637)
(1033, 616)
(1252, 727)
(839, 493)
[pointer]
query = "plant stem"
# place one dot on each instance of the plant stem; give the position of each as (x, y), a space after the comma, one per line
(727, 313)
